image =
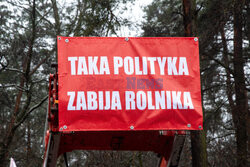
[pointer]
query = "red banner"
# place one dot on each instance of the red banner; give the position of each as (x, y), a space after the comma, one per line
(114, 83)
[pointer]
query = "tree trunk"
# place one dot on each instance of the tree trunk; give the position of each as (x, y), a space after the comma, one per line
(248, 37)
(187, 17)
(198, 138)
(240, 87)
(57, 22)
(199, 148)
(229, 87)
(248, 21)
(5, 146)
(56, 17)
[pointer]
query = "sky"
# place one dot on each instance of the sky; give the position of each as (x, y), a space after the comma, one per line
(134, 14)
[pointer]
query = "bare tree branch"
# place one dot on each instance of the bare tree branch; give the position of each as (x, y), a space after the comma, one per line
(14, 70)
(223, 136)
(30, 111)
(38, 65)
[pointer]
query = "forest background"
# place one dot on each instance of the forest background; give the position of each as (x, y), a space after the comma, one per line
(28, 30)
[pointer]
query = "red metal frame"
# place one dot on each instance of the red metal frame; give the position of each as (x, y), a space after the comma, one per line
(165, 143)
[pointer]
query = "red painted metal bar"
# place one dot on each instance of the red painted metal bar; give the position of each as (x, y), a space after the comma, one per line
(57, 143)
